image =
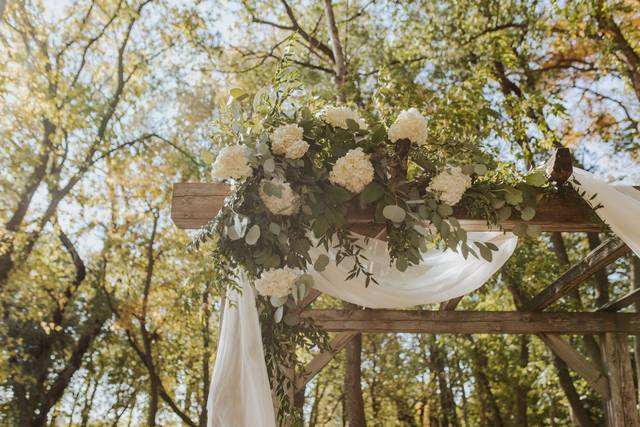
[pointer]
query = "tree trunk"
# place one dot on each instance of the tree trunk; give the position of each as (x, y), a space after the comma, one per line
(338, 53)
(152, 409)
(352, 383)
(488, 402)
(448, 415)
(522, 388)
(580, 416)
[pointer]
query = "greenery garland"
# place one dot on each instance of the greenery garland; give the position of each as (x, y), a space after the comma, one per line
(297, 174)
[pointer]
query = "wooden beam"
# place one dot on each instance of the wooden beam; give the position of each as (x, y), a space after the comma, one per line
(450, 304)
(621, 409)
(323, 358)
(559, 168)
(622, 302)
(583, 367)
(474, 322)
(195, 204)
(597, 259)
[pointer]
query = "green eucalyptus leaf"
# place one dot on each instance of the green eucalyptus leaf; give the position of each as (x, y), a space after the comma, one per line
(321, 263)
(480, 169)
(277, 316)
(533, 230)
(503, 214)
(513, 197)
(372, 193)
(520, 230)
(467, 169)
(497, 203)
(401, 264)
(269, 166)
(278, 301)
(528, 213)
(394, 213)
(445, 210)
(536, 179)
(274, 228)
(252, 235)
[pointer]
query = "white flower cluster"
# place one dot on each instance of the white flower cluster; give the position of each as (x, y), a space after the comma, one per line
(276, 282)
(410, 125)
(354, 171)
(337, 117)
(450, 185)
(287, 141)
(287, 203)
(232, 162)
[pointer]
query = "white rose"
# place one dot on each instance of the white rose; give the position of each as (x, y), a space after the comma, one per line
(287, 140)
(287, 203)
(450, 185)
(337, 117)
(232, 162)
(276, 282)
(410, 125)
(354, 171)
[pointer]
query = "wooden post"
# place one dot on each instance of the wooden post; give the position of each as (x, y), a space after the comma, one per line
(560, 166)
(622, 410)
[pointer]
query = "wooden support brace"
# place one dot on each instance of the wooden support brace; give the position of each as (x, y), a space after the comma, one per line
(622, 302)
(323, 358)
(450, 304)
(474, 322)
(597, 259)
(578, 363)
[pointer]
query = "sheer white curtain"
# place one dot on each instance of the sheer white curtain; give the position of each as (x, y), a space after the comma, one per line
(620, 206)
(240, 394)
(440, 277)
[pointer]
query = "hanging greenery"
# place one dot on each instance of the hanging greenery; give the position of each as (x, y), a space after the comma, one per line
(300, 173)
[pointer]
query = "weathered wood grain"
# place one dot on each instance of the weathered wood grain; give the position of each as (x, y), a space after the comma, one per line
(600, 257)
(475, 322)
(622, 302)
(323, 358)
(587, 370)
(621, 408)
(195, 204)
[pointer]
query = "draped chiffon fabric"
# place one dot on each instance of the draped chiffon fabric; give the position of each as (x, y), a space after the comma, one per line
(240, 394)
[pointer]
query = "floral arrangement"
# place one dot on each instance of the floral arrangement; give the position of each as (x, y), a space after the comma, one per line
(297, 173)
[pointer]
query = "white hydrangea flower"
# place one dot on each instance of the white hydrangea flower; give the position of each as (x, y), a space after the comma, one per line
(288, 203)
(287, 141)
(410, 125)
(277, 282)
(337, 117)
(232, 162)
(450, 185)
(354, 171)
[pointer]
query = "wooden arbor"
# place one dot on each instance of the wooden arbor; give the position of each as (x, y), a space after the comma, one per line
(195, 204)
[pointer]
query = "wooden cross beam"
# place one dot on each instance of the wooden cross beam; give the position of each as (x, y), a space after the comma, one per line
(622, 302)
(600, 257)
(195, 204)
(475, 322)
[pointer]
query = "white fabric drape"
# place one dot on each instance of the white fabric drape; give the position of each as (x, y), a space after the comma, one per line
(620, 206)
(240, 394)
(440, 277)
